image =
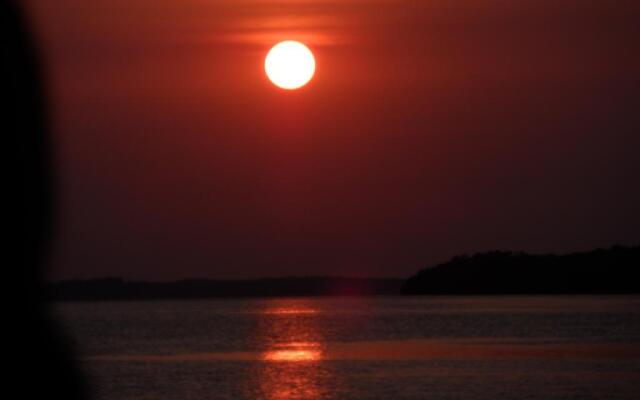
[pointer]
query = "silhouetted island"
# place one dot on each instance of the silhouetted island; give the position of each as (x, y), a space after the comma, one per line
(601, 271)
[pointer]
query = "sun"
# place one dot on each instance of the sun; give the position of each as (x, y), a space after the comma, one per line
(290, 65)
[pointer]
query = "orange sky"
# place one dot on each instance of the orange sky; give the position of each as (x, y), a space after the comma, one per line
(431, 128)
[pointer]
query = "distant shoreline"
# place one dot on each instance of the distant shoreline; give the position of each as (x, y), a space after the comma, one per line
(610, 271)
(120, 289)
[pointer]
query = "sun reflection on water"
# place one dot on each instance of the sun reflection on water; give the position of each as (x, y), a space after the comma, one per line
(289, 310)
(292, 363)
(297, 351)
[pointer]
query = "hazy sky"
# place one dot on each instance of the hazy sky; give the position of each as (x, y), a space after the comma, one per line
(431, 128)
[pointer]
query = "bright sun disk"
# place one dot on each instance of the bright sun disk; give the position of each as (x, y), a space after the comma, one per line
(290, 64)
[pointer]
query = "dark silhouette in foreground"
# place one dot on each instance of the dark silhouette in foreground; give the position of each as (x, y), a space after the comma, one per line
(601, 271)
(119, 289)
(37, 358)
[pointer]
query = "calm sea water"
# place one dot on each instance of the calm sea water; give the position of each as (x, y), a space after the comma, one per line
(360, 348)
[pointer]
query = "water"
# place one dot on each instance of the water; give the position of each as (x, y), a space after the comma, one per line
(360, 348)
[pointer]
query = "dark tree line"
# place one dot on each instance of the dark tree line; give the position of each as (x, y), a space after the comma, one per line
(600, 271)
